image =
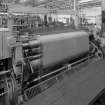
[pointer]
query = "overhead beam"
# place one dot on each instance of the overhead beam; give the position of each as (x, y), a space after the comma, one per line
(96, 3)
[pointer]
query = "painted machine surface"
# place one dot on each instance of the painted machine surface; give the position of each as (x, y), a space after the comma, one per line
(59, 47)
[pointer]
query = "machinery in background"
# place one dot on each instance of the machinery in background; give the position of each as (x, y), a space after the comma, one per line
(34, 23)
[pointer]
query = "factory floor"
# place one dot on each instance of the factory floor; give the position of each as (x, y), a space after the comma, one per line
(76, 88)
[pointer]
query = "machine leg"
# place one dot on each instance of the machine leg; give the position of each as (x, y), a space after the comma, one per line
(11, 97)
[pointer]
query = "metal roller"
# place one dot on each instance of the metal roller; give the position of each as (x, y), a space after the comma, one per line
(57, 48)
(31, 44)
(32, 52)
(62, 47)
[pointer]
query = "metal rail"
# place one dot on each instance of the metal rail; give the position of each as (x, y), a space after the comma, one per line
(62, 70)
(4, 93)
(4, 72)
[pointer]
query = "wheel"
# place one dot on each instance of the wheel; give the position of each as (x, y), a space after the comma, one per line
(12, 96)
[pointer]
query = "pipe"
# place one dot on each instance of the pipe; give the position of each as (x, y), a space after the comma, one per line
(103, 17)
(31, 44)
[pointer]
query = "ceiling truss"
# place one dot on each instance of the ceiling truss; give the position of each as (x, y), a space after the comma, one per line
(55, 4)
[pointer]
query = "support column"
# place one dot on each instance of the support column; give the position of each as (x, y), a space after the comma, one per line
(76, 13)
(103, 17)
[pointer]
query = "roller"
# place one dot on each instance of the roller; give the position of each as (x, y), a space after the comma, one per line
(63, 46)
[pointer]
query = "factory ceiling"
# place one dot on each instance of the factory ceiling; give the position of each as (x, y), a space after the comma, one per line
(42, 2)
(49, 4)
(55, 4)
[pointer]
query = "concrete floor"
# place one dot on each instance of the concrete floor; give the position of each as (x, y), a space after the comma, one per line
(77, 88)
